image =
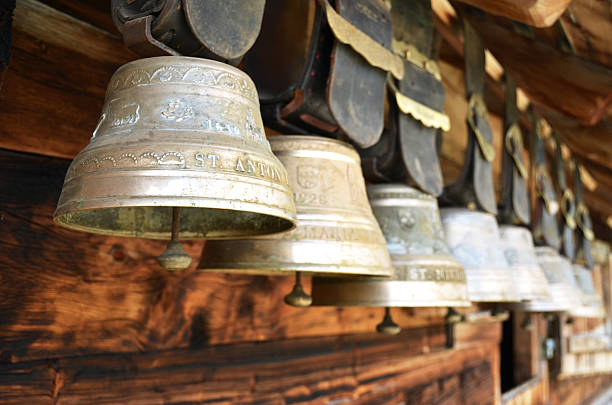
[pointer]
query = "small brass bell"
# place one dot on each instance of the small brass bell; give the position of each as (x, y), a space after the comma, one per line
(179, 153)
(336, 234)
(592, 304)
(561, 284)
(474, 240)
(424, 272)
(518, 248)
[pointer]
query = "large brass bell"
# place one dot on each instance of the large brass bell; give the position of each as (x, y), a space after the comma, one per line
(473, 238)
(178, 138)
(424, 272)
(592, 304)
(336, 234)
(518, 248)
(559, 275)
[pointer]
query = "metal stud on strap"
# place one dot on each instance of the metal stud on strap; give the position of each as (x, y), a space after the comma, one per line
(514, 146)
(477, 110)
(583, 212)
(566, 199)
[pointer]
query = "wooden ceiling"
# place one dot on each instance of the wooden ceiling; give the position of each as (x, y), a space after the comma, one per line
(564, 67)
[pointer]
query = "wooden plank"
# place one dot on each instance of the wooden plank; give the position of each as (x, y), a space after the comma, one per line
(56, 81)
(67, 292)
(588, 26)
(562, 82)
(361, 369)
(94, 12)
(539, 13)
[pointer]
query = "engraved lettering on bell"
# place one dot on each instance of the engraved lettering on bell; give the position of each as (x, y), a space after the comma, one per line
(335, 235)
(163, 143)
(423, 273)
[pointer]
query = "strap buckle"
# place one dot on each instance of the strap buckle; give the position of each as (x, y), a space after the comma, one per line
(514, 146)
(478, 110)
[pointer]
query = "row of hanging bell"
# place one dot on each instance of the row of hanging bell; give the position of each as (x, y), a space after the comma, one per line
(180, 153)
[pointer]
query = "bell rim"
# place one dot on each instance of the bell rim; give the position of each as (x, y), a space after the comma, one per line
(390, 300)
(284, 215)
(177, 58)
(276, 140)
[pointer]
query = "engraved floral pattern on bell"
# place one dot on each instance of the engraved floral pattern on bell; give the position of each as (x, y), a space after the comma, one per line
(474, 240)
(178, 132)
(337, 232)
(424, 272)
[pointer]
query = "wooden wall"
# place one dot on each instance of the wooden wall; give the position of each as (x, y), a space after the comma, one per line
(91, 319)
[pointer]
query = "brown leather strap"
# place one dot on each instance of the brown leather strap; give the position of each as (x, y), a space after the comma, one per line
(514, 197)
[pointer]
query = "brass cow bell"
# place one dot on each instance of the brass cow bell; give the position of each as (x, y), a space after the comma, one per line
(179, 153)
(561, 284)
(425, 274)
(474, 240)
(336, 234)
(518, 248)
(592, 304)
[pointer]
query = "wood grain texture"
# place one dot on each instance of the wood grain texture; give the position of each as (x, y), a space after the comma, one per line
(360, 369)
(539, 13)
(67, 292)
(561, 81)
(56, 81)
(588, 26)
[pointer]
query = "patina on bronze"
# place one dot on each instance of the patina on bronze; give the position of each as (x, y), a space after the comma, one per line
(517, 243)
(178, 135)
(561, 284)
(336, 234)
(424, 272)
(473, 238)
(592, 304)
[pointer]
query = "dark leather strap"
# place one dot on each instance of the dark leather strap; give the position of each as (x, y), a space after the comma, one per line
(356, 89)
(475, 184)
(567, 204)
(583, 220)
(216, 29)
(514, 198)
(545, 228)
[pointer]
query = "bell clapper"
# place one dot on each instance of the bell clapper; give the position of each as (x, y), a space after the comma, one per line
(174, 257)
(387, 326)
(527, 324)
(452, 316)
(298, 297)
(499, 313)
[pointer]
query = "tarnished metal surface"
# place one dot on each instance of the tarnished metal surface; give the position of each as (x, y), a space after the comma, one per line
(561, 284)
(425, 273)
(473, 238)
(592, 304)
(178, 132)
(518, 249)
(337, 232)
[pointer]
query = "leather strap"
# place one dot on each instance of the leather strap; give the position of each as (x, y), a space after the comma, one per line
(514, 198)
(356, 84)
(545, 228)
(567, 204)
(216, 29)
(583, 221)
(474, 187)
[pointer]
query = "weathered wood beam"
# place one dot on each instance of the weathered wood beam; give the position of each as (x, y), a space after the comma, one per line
(539, 13)
(588, 27)
(561, 81)
(360, 369)
(54, 87)
(66, 292)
